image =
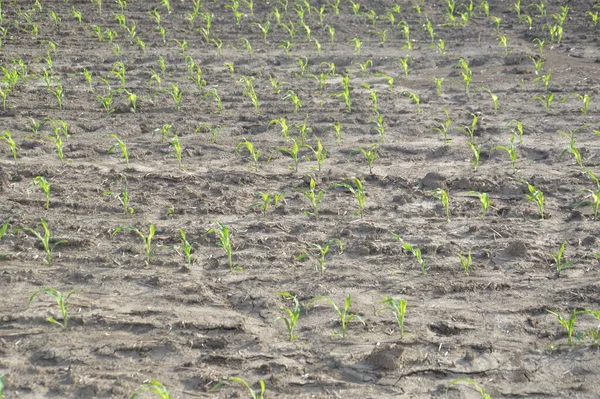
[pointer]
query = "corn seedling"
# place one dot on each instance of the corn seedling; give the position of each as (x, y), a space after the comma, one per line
(511, 150)
(414, 99)
(444, 127)
(538, 62)
(357, 45)
(4, 227)
(476, 154)
(122, 146)
(149, 248)
(465, 262)
(594, 200)
(416, 252)
(123, 198)
(293, 152)
(106, 102)
(285, 129)
(389, 80)
(45, 239)
(404, 65)
(253, 394)
(7, 137)
(481, 391)
(254, 153)
(247, 45)
(344, 316)
(164, 131)
(370, 155)
(153, 386)
(571, 148)
(319, 152)
(213, 94)
(58, 92)
(484, 199)
(313, 196)
(359, 193)
(545, 79)
(276, 84)
(398, 307)
(559, 262)
(187, 249)
(569, 325)
(1, 376)
(178, 149)
(337, 127)
(224, 241)
(594, 17)
(442, 195)
(61, 300)
(466, 74)
(516, 128)
(545, 100)
(438, 85)
(45, 186)
(536, 196)
(293, 314)
(494, 98)
(296, 102)
(379, 127)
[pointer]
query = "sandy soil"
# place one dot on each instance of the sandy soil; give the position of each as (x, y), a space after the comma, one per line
(190, 329)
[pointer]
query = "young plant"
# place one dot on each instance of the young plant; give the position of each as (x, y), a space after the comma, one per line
(344, 315)
(466, 74)
(121, 144)
(293, 314)
(224, 241)
(313, 196)
(559, 262)
(470, 129)
(43, 183)
(516, 128)
(484, 199)
(187, 249)
(123, 198)
(511, 150)
(416, 252)
(266, 201)
(536, 196)
(318, 252)
(494, 98)
(404, 65)
(213, 94)
(414, 99)
(337, 127)
(319, 152)
(569, 325)
(153, 386)
(253, 395)
(481, 391)
(545, 100)
(443, 127)
(359, 193)
(594, 197)
(4, 227)
(293, 152)
(398, 307)
(442, 195)
(45, 240)
(61, 300)
(254, 153)
(178, 149)
(149, 248)
(438, 85)
(465, 262)
(370, 155)
(177, 95)
(7, 137)
(476, 153)
(296, 102)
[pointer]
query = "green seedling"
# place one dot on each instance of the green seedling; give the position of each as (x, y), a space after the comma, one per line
(57, 140)
(44, 185)
(2, 386)
(536, 196)
(481, 391)
(379, 127)
(357, 45)
(61, 300)
(58, 92)
(318, 252)
(465, 262)
(187, 249)
(285, 129)
(404, 65)
(276, 84)
(213, 94)
(293, 152)
(442, 195)
(45, 240)
(344, 316)
(35, 126)
(224, 241)
(484, 199)
(545, 79)
(303, 63)
(106, 102)
(594, 199)
(177, 95)
(4, 227)
(438, 85)
(293, 314)
(398, 307)
(559, 262)
(466, 74)
(153, 386)
(516, 128)
(253, 395)
(444, 127)
(470, 129)
(121, 144)
(476, 153)
(296, 102)
(149, 248)
(389, 79)
(571, 148)
(569, 325)
(494, 98)
(319, 152)
(178, 149)
(313, 196)
(545, 100)
(254, 153)
(416, 252)
(337, 127)
(538, 63)
(266, 199)
(7, 137)
(164, 131)
(595, 17)
(511, 150)
(414, 99)
(123, 198)
(264, 28)
(359, 193)
(370, 155)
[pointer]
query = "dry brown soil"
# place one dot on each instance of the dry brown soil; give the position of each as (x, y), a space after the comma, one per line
(129, 323)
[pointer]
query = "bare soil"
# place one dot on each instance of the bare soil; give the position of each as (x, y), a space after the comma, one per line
(190, 329)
